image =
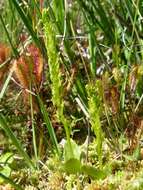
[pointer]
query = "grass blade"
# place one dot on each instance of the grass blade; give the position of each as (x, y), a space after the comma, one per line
(8, 36)
(26, 20)
(48, 125)
(6, 179)
(33, 129)
(15, 141)
(6, 84)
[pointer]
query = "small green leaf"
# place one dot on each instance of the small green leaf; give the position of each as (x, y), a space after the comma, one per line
(5, 169)
(72, 153)
(136, 153)
(7, 157)
(71, 150)
(93, 172)
(72, 166)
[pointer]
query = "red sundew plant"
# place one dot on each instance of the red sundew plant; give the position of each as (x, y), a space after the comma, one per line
(28, 69)
(4, 54)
